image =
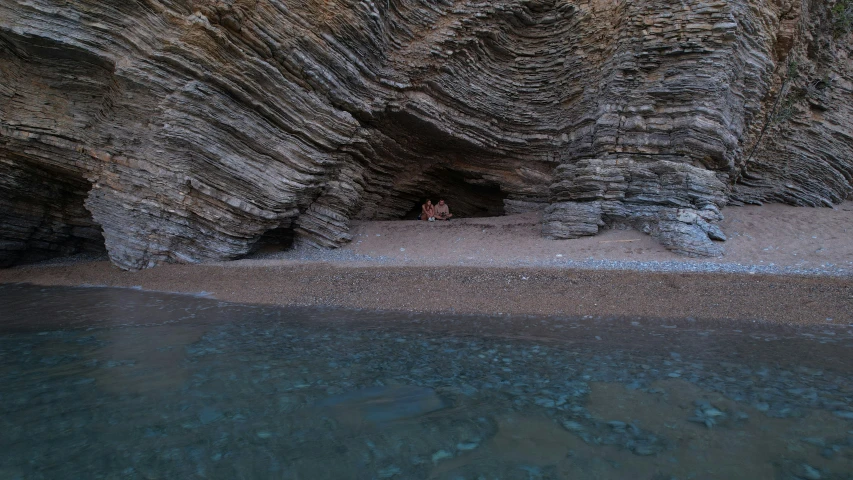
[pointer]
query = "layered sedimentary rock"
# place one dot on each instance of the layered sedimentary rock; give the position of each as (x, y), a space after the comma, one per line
(186, 129)
(675, 202)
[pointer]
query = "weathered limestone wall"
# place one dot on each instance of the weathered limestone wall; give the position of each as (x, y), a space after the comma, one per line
(191, 127)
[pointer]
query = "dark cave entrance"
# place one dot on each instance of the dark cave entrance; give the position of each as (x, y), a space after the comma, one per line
(274, 240)
(468, 196)
(44, 216)
(440, 166)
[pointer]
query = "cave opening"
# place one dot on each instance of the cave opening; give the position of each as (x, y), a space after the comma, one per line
(275, 240)
(272, 241)
(44, 215)
(468, 196)
(437, 164)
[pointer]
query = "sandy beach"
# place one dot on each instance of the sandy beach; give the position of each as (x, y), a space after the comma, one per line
(769, 239)
(783, 265)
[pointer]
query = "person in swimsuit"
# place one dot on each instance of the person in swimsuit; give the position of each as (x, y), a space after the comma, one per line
(428, 211)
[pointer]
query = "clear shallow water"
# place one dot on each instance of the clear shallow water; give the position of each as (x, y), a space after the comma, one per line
(117, 383)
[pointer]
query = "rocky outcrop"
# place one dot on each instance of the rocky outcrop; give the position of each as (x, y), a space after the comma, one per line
(186, 129)
(676, 202)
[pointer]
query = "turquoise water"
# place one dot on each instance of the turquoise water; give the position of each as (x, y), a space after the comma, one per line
(121, 383)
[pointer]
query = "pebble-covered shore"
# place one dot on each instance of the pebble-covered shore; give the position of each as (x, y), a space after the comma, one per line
(346, 256)
(495, 290)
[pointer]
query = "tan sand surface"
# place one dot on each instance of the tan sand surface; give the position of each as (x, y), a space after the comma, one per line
(768, 235)
(787, 299)
(501, 266)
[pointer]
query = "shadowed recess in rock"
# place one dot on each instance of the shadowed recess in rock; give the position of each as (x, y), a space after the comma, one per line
(466, 196)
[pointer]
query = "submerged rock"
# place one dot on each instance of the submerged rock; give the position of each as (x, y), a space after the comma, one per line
(384, 404)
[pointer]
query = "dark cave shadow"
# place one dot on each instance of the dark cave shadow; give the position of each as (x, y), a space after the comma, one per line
(467, 195)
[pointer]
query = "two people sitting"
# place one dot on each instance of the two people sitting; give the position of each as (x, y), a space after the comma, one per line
(431, 213)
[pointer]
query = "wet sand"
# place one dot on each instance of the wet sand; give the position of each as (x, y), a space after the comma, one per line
(532, 291)
(502, 266)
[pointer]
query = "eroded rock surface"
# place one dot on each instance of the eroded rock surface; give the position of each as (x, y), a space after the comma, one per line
(189, 128)
(675, 202)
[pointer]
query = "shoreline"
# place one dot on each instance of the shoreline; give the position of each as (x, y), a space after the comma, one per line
(655, 266)
(783, 265)
(539, 291)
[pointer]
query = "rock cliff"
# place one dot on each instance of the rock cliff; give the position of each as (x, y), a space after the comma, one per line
(184, 130)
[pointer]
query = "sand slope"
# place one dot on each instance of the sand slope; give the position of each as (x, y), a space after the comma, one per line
(502, 266)
(776, 238)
